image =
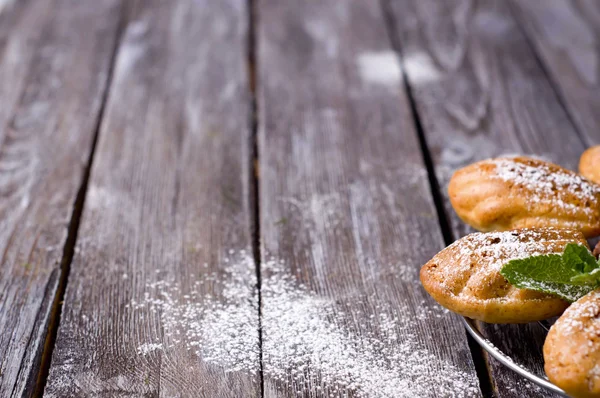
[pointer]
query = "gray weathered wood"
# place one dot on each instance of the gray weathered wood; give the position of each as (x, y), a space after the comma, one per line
(566, 35)
(347, 217)
(480, 92)
(54, 60)
(168, 201)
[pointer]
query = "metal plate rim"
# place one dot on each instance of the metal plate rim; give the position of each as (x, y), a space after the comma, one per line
(506, 360)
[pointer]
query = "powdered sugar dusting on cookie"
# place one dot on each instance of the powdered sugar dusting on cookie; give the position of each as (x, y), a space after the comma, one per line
(475, 260)
(572, 348)
(549, 184)
(497, 248)
(582, 317)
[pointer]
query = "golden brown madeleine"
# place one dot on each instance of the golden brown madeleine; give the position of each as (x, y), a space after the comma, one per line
(510, 193)
(465, 277)
(572, 348)
(589, 164)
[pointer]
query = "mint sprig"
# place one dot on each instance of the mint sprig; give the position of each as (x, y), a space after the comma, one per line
(569, 276)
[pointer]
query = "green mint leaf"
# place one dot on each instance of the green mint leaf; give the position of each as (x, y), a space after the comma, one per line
(562, 275)
(570, 293)
(579, 258)
(543, 268)
(591, 278)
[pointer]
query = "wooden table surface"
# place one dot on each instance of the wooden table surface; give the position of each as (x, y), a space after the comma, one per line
(234, 198)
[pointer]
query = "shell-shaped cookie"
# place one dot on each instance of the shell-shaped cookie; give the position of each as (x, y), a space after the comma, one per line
(510, 193)
(465, 277)
(589, 164)
(572, 348)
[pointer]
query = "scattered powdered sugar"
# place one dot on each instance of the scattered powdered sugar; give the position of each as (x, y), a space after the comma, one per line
(381, 68)
(549, 184)
(427, 311)
(520, 386)
(221, 330)
(309, 342)
(421, 68)
(147, 348)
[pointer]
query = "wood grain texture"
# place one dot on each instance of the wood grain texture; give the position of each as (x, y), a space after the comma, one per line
(168, 201)
(54, 60)
(480, 93)
(347, 217)
(566, 35)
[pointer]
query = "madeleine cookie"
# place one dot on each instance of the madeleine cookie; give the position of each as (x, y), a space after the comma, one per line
(589, 164)
(572, 348)
(465, 277)
(510, 193)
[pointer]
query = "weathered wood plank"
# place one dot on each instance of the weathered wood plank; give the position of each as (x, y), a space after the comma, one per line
(480, 93)
(347, 216)
(161, 300)
(54, 60)
(566, 34)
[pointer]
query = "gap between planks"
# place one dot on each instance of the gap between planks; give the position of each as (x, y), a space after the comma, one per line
(549, 76)
(480, 358)
(254, 167)
(73, 227)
